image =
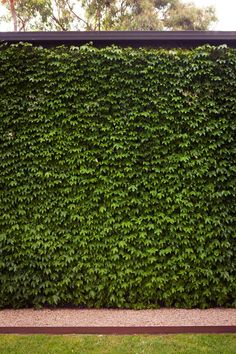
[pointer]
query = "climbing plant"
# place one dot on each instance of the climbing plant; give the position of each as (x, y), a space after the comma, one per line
(117, 176)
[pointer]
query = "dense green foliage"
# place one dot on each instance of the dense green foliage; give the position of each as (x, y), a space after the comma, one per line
(117, 176)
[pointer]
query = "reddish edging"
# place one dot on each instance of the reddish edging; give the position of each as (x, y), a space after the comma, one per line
(118, 330)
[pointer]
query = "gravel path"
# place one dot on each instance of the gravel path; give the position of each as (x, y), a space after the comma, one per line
(105, 317)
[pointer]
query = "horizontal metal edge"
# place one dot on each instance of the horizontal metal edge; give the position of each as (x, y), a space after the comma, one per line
(119, 330)
(124, 38)
(123, 35)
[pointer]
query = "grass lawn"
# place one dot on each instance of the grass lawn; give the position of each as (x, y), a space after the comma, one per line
(141, 344)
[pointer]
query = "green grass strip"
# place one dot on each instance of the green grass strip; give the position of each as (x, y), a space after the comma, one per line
(80, 344)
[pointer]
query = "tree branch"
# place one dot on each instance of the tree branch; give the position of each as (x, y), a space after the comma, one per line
(78, 17)
(23, 23)
(59, 23)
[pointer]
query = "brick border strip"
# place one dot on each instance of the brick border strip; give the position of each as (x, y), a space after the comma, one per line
(119, 330)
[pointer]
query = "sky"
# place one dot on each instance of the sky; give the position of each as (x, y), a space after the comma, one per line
(225, 11)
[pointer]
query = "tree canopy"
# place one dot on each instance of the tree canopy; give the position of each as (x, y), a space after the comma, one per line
(107, 15)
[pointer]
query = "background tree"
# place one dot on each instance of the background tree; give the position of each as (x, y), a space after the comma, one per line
(96, 15)
(148, 15)
(42, 15)
(11, 6)
(181, 16)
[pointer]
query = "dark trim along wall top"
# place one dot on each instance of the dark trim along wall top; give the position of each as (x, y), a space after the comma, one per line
(165, 39)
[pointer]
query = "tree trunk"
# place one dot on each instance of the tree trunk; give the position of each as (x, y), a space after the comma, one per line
(13, 13)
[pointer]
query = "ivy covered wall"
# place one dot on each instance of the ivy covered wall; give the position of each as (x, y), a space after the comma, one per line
(117, 176)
